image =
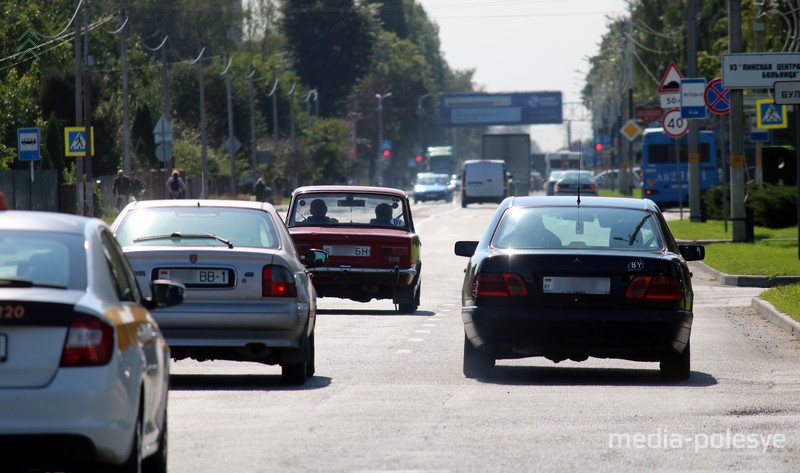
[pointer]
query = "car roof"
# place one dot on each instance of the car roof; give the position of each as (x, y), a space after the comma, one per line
(169, 203)
(586, 201)
(350, 189)
(46, 221)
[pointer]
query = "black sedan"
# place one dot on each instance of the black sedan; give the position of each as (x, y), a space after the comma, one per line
(569, 278)
(573, 182)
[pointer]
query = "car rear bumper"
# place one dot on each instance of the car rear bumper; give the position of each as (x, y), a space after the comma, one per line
(363, 284)
(566, 334)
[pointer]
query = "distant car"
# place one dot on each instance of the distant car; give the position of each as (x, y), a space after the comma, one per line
(248, 295)
(368, 257)
(484, 180)
(84, 368)
(550, 183)
(570, 182)
(563, 279)
(537, 181)
(432, 186)
(609, 179)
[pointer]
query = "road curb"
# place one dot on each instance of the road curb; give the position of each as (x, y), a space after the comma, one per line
(766, 309)
(780, 319)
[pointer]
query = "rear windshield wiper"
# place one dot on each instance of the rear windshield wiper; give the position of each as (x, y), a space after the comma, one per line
(179, 235)
(14, 282)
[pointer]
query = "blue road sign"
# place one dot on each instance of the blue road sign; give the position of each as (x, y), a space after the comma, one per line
(693, 103)
(718, 98)
(28, 144)
(386, 145)
(517, 108)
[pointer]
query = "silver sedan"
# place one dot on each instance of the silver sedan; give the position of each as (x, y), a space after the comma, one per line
(248, 295)
(84, 368)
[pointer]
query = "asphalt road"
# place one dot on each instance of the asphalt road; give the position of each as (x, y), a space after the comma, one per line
(389, 394)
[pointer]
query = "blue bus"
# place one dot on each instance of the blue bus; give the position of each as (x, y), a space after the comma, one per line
(661, 170)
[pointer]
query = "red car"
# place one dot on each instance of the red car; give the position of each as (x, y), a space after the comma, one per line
(368, 234)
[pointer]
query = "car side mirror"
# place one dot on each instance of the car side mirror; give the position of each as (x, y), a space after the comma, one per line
(165, 293)
(465, 248)
(316, 258)
(692, 252)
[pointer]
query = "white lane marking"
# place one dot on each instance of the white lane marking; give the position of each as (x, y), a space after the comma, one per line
(416, 339)
(422, 331)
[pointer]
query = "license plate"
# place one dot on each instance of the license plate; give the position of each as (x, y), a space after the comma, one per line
(197, 277)
(576, 285)
(3, 347)
(346, 250)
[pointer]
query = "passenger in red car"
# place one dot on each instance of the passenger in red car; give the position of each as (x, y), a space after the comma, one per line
(383, 215)
(318, 211)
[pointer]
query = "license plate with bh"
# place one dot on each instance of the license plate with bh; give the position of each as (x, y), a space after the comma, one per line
(347, 250)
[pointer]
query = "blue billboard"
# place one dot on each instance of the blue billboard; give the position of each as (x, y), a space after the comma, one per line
(515, 108)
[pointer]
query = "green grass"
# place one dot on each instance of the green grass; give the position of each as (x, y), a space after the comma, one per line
(786, 299)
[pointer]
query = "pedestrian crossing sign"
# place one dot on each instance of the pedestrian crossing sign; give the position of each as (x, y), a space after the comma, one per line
(770, 115)
(75, 142)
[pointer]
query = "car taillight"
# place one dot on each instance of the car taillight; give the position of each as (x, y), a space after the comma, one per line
(654, 287)
(592, 187)
(90, 342)
(497, 284)
(394, 250)
(277, 281)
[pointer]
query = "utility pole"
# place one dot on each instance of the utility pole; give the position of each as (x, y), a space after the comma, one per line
(79, 180)
(758, 32)
(87, 112)
(274, 111)
(627, 161)
(165, 96)
(694, 156)
(380, 130)
(203, 125)
(253, 165)
(294, 163)
(231, 139)
(126, 125)
(737, 162)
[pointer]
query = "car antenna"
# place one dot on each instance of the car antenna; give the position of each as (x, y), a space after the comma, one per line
(580, 162)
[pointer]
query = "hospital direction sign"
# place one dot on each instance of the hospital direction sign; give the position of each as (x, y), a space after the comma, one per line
(759, 70)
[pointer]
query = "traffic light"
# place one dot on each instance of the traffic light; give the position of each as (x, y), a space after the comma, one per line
(598, 147)
(387, 154)
(419, 158)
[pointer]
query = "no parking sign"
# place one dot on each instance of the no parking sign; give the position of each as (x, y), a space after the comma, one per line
(718, 98)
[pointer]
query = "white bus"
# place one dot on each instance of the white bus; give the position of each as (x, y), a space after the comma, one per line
(564, 160)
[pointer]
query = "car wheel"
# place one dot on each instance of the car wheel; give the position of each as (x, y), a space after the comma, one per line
(134, 462)
(411, 307)
(157, 463)
(477, 363)
(677, 366)
(295, 372)
(463, 201)
(310, 366)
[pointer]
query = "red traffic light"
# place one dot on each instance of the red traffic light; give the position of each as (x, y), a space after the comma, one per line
(386, 153)
(419, 158)
(598, 146)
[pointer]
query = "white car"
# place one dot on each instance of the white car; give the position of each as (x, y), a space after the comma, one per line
(84, 369)
(249, 297)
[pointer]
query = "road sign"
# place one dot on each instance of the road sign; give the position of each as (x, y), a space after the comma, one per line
(28, 144)
(757, 135)
(232, 145)
(164, 151)
(386, 145)
(787, 93)
(670, 100)
(631, 130)
(515, 108)
(648, 115)
(693, 104)
(717, 98)
(671, 82)
(674, 125)
(770, 115)
(759, 70)
(75, 142)
(162, 132)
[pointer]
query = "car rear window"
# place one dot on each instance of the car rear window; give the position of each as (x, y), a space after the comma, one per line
(349, 209)
(43, 258)
(186, 225)
(574, 227)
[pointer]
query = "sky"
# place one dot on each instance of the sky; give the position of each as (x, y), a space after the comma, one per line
(527, 46)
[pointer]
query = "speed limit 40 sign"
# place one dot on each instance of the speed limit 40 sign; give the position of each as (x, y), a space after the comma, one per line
(673, 124)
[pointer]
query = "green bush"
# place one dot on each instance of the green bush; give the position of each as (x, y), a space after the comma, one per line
(773, 206)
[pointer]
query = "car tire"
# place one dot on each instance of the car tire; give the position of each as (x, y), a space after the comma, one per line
(294, 373)
(463, 201)
(411, 307)
(677, 366)
(477, 363)
(133, 464)
(157, 463)
(310, 365)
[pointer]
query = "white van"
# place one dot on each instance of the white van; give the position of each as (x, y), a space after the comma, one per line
(484, 180)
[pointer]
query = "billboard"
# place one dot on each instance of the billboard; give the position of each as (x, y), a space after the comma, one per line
(515, 108)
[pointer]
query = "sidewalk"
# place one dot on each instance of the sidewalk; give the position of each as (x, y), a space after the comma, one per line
(761, 306)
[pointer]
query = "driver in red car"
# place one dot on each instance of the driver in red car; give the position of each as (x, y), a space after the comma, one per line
(318, 211)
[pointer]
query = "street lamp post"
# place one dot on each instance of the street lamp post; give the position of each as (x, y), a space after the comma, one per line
(380, 126)
(420, 112)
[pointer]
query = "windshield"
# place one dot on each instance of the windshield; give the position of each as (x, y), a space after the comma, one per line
(344, 208)
(574, 227)
(200, 226)
(433, 180)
